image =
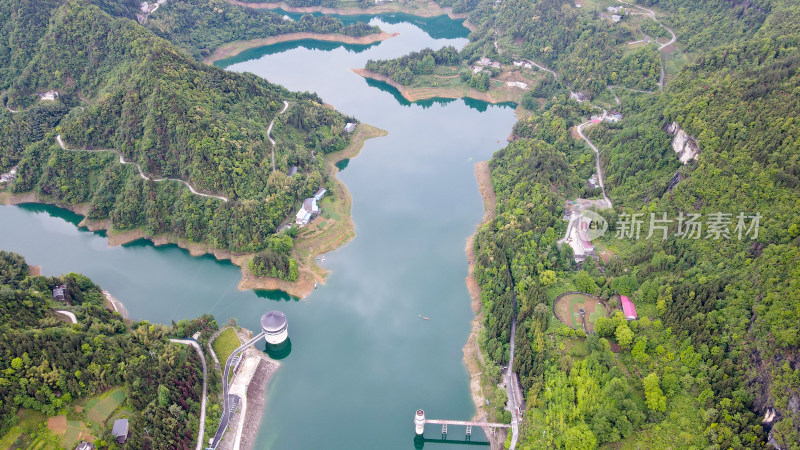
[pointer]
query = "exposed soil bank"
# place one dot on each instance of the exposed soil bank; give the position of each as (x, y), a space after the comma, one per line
(413, 94)
(472, 354)
(308, 245)
(234, 48)
(422, 9)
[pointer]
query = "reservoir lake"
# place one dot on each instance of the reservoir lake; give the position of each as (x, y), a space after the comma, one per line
(362, 361)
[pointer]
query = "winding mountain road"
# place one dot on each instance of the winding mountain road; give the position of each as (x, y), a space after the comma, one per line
(139, 168)
(269, 130)
(599, 170)
(650, 13)
(201, 430)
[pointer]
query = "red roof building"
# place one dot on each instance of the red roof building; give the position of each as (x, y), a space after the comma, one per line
(627, 308)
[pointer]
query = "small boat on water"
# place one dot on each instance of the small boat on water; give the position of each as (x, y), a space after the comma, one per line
(423, 317)
(315, 285)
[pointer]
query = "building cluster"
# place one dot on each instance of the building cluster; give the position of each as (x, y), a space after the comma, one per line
(612, 116)
(310, 208)
(615, 13)
(484, 62)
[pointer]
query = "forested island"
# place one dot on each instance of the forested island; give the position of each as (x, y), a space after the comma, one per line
(95, 371)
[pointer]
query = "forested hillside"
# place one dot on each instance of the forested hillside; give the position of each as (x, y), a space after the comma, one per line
(201, 27)
(47, 363)
(712, 360)
(120, 87)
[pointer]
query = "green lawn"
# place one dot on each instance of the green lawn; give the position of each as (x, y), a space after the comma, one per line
(225, 344)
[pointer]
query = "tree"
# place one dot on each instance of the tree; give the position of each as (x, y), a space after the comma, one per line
(547, 278)
(580, 437)
(585, 283)
(654, 397)
(624, 335)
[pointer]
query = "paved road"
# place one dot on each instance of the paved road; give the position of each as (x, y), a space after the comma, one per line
(141, 173)
(227, 401)
(511, 378)
(69, 314)
(201, 431)
(269, 130)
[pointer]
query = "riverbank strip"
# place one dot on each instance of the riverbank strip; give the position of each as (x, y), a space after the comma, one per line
(234, 48)
(473, 358)
(415, 94)
(419, 9)
(311, 243)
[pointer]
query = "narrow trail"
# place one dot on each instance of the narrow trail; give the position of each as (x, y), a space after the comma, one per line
(201, 429)
(269, 130)
(139, 168)
(12, 111)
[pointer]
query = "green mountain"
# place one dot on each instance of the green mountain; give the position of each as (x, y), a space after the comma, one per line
(48, 363)
(121, 87)
(713, 360)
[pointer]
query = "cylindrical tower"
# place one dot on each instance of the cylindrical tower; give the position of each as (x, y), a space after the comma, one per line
(419, 422)
(275, 327)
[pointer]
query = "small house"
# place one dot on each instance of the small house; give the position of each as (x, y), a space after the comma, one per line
(60, 293)
(293, 169)
(616, 17)
(85, 446)
(628, 309)
(349, 127)
(307, 211)
(120, 430)
(320, 193)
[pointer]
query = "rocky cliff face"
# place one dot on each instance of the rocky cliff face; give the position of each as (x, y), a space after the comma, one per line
(684, 144)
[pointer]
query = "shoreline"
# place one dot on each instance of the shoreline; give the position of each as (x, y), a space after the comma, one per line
(305, 249)
(417, 94)
(430, 9)
(234, 48)
(473, 358)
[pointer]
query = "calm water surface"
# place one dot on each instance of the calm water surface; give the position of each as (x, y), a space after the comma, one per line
(362, 360)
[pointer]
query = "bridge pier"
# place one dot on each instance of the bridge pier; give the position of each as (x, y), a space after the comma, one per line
(469, 432)
(444, 431)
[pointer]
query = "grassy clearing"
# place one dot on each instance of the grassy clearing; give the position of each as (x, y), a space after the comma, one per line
(100, 408)
(225, 344)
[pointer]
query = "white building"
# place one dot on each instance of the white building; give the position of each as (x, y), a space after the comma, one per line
(310, 208)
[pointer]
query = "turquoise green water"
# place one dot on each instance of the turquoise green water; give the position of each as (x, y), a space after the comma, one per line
(362, 361)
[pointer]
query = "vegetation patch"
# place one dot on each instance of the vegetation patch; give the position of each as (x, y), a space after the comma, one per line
(100, 408)
(225, 344)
